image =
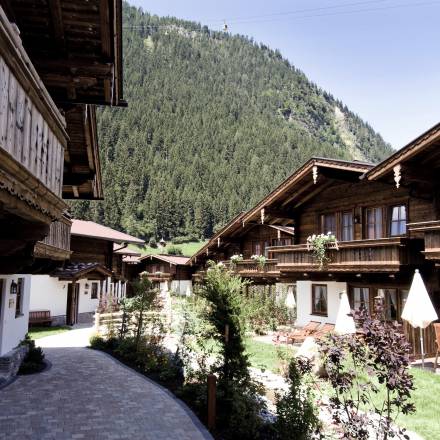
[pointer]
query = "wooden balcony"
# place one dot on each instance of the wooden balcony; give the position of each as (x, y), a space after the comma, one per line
(382, 255)
(32, 135)
(249, 268)
(159, 276)
(56, 246)
(431, 232)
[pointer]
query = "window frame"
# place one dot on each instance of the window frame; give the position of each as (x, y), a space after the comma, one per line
(322, 217)
(19, 298)
(370, 296)
(390, 220)
(92, 287)
(383, 223)
(318, 312)
(341, 227)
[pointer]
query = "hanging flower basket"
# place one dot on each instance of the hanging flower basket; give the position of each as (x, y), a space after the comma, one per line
(319, 244)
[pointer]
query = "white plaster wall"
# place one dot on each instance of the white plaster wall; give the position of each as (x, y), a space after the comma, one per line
(48, 293)
(13, 329)
(180, 287)
(86, 303)
(304, 301)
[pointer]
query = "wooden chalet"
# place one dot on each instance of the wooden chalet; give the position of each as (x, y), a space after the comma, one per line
(58, 60)
(167, 272)
(386, 220)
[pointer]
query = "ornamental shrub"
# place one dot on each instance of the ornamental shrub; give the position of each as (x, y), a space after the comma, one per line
(370, 377)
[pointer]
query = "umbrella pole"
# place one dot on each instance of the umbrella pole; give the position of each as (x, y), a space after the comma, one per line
(421, 346)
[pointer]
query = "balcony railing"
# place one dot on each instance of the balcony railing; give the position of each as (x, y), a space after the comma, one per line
(158, 276)
(251, 268)
(32, 130)
(382, 255)
(431, 233)
(56, 245)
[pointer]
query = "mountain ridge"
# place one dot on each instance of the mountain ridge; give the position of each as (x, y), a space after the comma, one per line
(215, 121)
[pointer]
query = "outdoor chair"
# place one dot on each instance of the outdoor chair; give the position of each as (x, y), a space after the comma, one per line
(437, 343)
(301, 334)
(324, 330)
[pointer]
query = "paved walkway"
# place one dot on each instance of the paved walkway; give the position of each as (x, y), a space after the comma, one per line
(88, 395)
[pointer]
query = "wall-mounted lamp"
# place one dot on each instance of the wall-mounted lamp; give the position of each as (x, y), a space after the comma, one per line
(357, 219)
(14, 288)
(86, 286)
(358, 275)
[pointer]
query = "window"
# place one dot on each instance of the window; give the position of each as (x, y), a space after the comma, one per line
(94, 294)
(256, 248)
(266, 252)
(360, 298)
(347, 226)
(319, 299)
(281, 241)
(328, 223)
(19, 298)
(398, 220)
(374, 219)
(389, 297)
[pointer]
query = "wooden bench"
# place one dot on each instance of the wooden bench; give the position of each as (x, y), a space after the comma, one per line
(40, 317)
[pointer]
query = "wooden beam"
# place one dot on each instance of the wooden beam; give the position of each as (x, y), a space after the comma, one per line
(105, 28)
(313, 193)
(298, 193)
(57, 23)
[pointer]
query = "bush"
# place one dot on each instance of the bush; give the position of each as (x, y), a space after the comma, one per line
(98, 342)
(297, 416)
(34, 360)
(152, 243)
(184, 239)
(174, 250)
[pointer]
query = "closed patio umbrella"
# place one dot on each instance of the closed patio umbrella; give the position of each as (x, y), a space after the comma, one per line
(188, 291)
(418, 310)
(344, 321)
(290, 300)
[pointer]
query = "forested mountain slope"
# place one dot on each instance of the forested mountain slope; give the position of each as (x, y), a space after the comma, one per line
(214, 122)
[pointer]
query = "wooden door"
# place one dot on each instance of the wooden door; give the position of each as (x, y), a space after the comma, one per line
(72, 304)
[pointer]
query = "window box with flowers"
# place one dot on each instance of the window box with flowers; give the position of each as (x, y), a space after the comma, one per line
(235, 259)
(319, 244)
(260, 260)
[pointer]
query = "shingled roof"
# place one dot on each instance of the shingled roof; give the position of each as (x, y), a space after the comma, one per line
(85, 228)
(75, 270)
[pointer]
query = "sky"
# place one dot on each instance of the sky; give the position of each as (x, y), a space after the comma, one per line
(380, 57)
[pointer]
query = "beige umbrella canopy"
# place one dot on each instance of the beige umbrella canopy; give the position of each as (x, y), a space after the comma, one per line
(344, 321)
(290, 300)
(418, 310)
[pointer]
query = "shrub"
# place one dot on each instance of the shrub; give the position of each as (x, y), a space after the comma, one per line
(359, 368)
(152, 243)
(297, 416)
(174, 250)
(184, 239)
(34, 359)
(97, 342)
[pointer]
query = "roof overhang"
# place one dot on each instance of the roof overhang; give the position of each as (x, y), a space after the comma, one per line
(82, 167)
(76, 271)
(419, 161)
(76, 47)
(165, 259)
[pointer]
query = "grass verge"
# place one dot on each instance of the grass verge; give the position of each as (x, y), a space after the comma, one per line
(42, 332)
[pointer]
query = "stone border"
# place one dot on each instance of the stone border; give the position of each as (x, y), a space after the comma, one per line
(201, 427)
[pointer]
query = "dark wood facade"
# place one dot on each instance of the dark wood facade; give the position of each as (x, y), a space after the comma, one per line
(386, 220)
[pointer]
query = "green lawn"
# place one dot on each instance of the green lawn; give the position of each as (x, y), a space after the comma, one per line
(265, 356)
(426, 420)
(426, 397)
(188, 249)
(41, 332)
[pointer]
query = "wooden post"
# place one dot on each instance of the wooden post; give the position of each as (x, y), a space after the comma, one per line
(211, 401)
(226, 333)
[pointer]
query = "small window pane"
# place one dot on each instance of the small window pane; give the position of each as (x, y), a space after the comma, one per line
(347, 226)
(389, 297)
(398, 220)
(361, 298)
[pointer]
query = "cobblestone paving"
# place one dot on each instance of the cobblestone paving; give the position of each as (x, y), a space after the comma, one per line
(88, 395)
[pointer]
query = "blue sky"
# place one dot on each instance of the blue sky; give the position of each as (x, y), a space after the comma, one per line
(382, 62)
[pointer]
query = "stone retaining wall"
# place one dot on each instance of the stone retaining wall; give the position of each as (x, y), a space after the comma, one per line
(10, 363)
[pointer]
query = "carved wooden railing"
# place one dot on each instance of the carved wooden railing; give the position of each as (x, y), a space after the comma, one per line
(382, 255)
(431, 233)
(252, 268)
(32, 130)
(158, 276)
(56, 245)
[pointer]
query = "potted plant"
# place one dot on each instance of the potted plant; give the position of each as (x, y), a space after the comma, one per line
(318, 245)
(260, 260)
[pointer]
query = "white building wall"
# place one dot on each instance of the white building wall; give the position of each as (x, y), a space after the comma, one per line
(304, 302)
(48, 293)
(13, 329)
(86, 304)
